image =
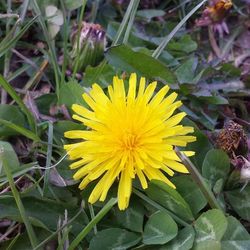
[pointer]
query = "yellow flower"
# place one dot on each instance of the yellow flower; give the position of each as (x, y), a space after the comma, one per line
(128, 134)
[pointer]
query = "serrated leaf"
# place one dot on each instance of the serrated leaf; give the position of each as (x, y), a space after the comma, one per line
(159, 229)
(210, 228)
(169, 198)
(114, 239)
(216, 165)
(124, 58)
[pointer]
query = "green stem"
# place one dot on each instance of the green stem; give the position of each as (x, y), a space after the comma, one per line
(92, 223)
(166, 40)
(78, 38)
(29, 228)
(198, 179)
(131, 21)
(124, 22)
(48, 159)
(158, 206)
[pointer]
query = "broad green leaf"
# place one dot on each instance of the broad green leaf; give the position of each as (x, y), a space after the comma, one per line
(236, 236)
(71, 93)
(132, 217)
(102, 74)
(216, 165)
(183, 241)
(184, 44)
(240, 201)
(41, 212)
(159, 229)
(114, 238)
(64, 125)
(169, 198)
(124, 58)
(12, 114)
(210, 228)
(186, 72)
(190, 192)
(207, 96)
(10, 156)
(9, 89)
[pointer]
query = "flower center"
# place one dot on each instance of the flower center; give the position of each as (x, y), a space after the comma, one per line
(129, 141)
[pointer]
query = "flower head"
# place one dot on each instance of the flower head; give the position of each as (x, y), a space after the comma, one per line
(130, 133)
(215, 15)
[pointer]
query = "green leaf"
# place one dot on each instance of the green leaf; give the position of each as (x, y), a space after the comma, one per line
(159, 229)
(216, 166)
(210, 228)
(132, 217)
(186, 72)
(9, 89)
(20, 130)
(71, 93)
(201, 146)
(115, 239)
(169, 198)
(41, 212)
(183, 241)
(185, 44)
(60, 127)
(190, 192)
(102, 74)
(10, 156)
(12, 114)
(236, 236)
(240, 201)
(124, 58)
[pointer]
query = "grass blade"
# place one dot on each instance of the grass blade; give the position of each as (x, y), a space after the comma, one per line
(29, 228)
(9, 41)
(92, 223)
(166, 40)
(23, 131)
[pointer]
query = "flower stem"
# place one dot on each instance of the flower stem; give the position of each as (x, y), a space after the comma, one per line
(29, 228)
(92, 223)
(198, 179)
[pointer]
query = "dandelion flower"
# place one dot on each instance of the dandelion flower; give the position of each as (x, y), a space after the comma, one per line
(129, 133)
